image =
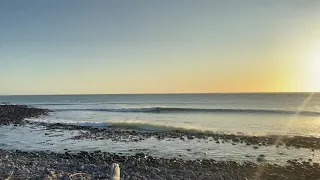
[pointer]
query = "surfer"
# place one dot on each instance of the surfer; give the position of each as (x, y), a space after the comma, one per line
(158, 109)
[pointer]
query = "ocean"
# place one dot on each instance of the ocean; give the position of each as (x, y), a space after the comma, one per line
(253, 114)
(256, 114)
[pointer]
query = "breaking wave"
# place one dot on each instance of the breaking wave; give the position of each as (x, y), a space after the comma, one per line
(136, 125)
(195, 110)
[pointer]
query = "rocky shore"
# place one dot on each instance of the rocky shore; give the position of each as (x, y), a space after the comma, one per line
(96, 165)
(15, 114)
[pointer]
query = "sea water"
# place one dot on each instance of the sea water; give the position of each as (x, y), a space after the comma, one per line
(257, 114)
(288, 114)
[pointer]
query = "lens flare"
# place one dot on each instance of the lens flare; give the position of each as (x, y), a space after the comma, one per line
(293, 118)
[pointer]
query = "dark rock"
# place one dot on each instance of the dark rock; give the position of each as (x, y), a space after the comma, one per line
(140, 155)
(15, 114)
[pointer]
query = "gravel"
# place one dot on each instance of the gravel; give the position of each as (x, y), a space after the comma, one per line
(97, 165)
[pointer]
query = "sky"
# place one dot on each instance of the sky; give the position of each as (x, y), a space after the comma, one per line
(165, 46)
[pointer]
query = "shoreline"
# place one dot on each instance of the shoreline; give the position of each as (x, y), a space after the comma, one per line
(18, 164)
(133, 135)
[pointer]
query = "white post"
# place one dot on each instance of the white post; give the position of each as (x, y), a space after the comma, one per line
(115, 171)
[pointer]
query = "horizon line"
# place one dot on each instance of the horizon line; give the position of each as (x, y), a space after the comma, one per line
(271, 92)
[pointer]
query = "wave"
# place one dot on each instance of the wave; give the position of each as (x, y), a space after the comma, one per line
(196, 110)
(136, 125)
(146, 126)
(61, 104)
(141, 126)
(119, 103)
(153, 109)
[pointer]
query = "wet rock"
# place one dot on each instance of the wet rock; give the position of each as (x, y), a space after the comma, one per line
(260, 159)
(15, 114)
(262, 155)
(140, 155)
(66, 178)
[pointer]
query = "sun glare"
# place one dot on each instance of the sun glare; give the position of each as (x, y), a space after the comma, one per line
(314, 70)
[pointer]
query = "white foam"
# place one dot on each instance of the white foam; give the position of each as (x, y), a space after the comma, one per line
(139, 125)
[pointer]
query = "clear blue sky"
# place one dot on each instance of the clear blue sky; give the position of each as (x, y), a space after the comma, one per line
(79, 46)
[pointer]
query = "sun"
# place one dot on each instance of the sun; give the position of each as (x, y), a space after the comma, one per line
(314, 70)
